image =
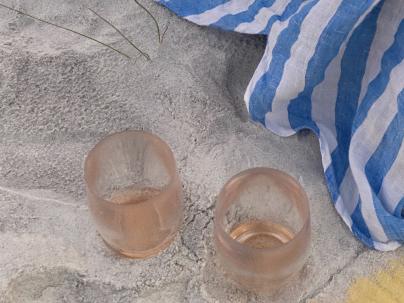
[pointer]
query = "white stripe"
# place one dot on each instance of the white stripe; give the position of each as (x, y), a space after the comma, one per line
(323, 112)
(323, 107)
(213, 15)
(387, 24)
(261, 18)
(339, 206)
(365, 141)
(392, 189)
(293, 78)
(263, 66)
(324, 100)
(328, 142)
(392, 245)
(349, 192)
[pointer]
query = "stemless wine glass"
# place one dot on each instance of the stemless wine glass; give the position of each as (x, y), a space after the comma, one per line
(262, 228)
(134, 192)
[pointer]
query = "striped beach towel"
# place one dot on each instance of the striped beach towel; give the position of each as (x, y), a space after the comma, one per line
(335, 67)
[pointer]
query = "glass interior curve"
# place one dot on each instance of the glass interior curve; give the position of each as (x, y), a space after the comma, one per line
(262, 228)
(134, 192)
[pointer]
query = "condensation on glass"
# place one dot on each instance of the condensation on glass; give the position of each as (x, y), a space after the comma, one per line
(262, 228)
(134, 193)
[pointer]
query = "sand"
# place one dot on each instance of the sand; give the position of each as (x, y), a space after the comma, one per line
(60, 94)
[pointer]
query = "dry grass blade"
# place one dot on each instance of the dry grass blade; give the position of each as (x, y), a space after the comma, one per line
(154, 19)
(119, 32)
(164, 33)
(64, 28)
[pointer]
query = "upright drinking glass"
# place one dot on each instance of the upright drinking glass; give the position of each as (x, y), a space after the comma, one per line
(134, 192)
(262, 228)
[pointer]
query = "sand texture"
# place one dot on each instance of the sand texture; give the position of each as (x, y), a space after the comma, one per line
(60, 93)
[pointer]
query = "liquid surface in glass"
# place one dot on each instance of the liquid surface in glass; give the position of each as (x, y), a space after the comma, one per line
(261, 234)
(134, 194)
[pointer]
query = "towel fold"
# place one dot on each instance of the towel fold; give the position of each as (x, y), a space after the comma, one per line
(336, 68)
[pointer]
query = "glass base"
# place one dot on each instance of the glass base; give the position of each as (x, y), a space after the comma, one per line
(144, 253)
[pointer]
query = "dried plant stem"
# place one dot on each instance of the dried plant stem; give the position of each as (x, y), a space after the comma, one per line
(119, 32)
(164, 33)
(154, 19)
(64, 28)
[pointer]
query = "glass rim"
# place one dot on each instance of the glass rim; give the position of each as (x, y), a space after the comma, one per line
(218, 222)
(157, 141)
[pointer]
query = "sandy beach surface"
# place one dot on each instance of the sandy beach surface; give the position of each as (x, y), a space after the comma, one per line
(61, 93)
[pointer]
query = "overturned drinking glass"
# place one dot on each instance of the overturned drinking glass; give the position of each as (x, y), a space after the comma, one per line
(134, 193)
(262, 228)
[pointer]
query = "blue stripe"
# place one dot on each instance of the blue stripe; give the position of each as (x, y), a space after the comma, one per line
(399, 211)
(331, 183)
(265, 88)
(384, 156)
(359, 226)
(290, 9)
(353, 66)
(393, 226)
(327, 48)
(230, 22)
(391, 58)
(378, 166)
(190, 7)
(349, 112)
